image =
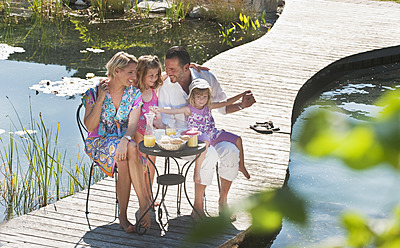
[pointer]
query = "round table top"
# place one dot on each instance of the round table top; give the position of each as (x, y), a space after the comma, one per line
(186, 151)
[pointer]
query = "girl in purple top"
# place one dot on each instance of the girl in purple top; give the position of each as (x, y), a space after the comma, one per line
(198, 115)
(148, 74)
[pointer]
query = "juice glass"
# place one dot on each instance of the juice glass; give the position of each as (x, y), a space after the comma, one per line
(170, 130)
(149, 140)
(193, 138)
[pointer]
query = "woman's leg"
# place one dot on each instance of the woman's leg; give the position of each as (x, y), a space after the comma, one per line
(137, 179)
(138, 138)
(146, 176)
(242, 168)
(123, 193)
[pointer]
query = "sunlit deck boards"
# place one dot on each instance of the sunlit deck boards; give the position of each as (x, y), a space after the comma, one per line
(308, 36)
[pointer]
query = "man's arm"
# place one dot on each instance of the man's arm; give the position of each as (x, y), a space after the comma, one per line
(228, 102)
(163, 102)
(247, 100)
(219, 95)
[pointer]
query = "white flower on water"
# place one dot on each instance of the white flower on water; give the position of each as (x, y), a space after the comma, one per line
(89, 75)
(6, 51)
(2, 131)
(68, 86)
(94, 50)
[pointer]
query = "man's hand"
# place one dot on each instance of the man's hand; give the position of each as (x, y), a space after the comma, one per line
(247, 99)
(102, 89)
(198, 67)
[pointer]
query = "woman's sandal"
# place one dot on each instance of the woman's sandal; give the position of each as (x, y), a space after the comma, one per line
(140, 229)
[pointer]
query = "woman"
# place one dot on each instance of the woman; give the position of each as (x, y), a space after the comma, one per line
(111, 117)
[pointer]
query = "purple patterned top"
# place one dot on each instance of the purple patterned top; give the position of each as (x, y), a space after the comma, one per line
(203, 121)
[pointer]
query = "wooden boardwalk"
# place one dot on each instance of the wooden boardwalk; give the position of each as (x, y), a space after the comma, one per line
(309, 35)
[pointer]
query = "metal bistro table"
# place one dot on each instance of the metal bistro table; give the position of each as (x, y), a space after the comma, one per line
(168, 178)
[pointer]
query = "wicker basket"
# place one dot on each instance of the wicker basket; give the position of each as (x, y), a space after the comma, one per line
(171, 147)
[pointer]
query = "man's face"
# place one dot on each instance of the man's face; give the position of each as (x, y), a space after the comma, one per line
(174, 70)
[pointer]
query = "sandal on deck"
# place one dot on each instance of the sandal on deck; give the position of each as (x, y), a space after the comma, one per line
(266, 127)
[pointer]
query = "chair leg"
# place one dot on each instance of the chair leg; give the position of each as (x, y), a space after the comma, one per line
(90, 180)
(116, 196)
(219, 182)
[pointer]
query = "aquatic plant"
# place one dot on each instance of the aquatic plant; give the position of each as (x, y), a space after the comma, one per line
(5, 7)
(225, 11)
(34, 169)
(178, 11)
(47, 8)
(246, 25)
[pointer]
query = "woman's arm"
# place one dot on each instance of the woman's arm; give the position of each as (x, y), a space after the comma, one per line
(92, 114)
(122, 146)
(228, 102)
(133, 120)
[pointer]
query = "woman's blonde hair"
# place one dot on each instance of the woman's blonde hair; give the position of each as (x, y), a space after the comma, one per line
(120, 60)
(145, 63)
(197, 91)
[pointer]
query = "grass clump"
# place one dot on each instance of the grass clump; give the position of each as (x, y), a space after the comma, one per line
(34, 171)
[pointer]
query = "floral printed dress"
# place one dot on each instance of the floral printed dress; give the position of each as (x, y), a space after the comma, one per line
(101, 144)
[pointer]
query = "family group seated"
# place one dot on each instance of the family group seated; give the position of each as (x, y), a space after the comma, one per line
(183, 97)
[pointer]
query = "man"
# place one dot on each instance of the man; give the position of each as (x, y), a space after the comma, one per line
(174, 93)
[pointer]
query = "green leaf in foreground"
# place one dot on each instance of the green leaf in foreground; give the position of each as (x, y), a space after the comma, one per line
(360, 145)
(267, 208)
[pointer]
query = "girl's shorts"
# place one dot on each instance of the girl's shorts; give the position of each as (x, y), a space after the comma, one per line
(225, 136)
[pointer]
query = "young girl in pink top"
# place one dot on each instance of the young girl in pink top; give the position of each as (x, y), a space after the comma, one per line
(148, 74)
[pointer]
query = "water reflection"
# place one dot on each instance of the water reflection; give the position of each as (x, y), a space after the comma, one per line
(328, 185)
(61, 41)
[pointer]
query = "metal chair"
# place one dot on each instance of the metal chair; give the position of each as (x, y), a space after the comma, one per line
(83, 129)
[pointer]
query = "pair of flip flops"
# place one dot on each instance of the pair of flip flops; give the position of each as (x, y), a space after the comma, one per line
(266, 127)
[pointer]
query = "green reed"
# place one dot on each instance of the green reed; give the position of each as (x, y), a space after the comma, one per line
(47, 8)
(178, 11)
(34, 169)
(5, 7)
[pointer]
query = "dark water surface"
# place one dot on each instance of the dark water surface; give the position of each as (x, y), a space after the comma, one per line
(328, 185)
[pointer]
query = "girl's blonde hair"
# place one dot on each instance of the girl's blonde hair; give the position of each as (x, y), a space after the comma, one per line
(120, 60)
(197, 91)
(145, 63)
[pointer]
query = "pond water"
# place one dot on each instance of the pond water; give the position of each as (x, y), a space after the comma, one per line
(328, 186)
(34, 50)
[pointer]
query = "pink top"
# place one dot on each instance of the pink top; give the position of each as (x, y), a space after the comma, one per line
(145, 109)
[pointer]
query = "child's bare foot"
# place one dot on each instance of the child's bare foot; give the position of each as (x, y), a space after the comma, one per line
(244, 171)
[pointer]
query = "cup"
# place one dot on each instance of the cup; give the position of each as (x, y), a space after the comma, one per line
(170, 130)
(159, 133)
(193, 138)
(149, 140)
